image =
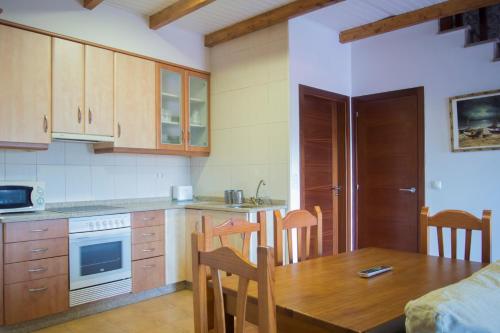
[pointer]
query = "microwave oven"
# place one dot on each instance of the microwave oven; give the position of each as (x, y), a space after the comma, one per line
(16, 196)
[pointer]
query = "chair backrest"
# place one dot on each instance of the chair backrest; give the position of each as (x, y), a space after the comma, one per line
(456, 219)
(233, 227)
(230, 261)
(303, 221)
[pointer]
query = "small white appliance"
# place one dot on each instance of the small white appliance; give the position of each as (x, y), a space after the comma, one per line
(182, 193)
(20, 196)
(99, 257)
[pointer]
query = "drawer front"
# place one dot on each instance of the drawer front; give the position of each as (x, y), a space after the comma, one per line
(35, 269)
(34, 299)
(34, 250)
(148, 250)
(148, 219)
(148, 234)
(27, 231)
(148, 274)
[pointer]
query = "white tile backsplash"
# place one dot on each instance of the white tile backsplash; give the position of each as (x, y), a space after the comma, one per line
(20, 171)
(72, 172)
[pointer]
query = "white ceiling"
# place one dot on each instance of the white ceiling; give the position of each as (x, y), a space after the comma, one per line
(222, 13)
(353, 13)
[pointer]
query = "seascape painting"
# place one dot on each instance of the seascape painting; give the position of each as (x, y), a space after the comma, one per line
(475, 121)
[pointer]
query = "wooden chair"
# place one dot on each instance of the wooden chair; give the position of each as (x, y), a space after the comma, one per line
(228, 260)
(233, 227)
(300, 220)
(456, 219)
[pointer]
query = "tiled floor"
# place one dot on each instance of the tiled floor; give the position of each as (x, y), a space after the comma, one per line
(170, 313)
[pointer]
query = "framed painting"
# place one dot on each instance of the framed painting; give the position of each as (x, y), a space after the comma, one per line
(475, 121)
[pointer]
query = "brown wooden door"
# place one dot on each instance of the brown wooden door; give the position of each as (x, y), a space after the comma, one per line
(389, 153)
(323, 169)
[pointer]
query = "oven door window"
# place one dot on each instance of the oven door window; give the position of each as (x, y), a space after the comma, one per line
(99, 258)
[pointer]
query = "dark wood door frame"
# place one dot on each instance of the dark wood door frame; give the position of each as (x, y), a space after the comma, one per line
(419, 92)
(305, 91)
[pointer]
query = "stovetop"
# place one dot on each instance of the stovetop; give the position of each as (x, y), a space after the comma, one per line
(80, 209)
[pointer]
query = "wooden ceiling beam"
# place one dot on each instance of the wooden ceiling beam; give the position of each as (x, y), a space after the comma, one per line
(434, 12)
(175, 11)
(91, 4)
(265, 20)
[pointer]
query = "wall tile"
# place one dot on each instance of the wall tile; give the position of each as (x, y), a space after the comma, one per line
(20, 157)
(277, 109)
(54, 155)
(125, 182)
(125, 160)
(77, 153)
(20, 172)
(78, 183)
(2, 171)
(147, 179)
(103, 182)
(55, 181)
(102, 159)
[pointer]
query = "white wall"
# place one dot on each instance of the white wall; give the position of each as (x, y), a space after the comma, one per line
(318, 60)
(419, 57)
(109, 26)
(249, 100)
(72, 172)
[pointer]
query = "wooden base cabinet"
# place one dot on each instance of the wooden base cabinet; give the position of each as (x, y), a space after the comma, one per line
(148, 250)
(35, 265)
(34, 299)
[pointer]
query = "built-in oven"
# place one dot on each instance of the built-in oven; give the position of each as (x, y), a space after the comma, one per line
(99, 257)
(21, 196)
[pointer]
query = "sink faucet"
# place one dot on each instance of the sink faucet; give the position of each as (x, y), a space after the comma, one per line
(257, 200)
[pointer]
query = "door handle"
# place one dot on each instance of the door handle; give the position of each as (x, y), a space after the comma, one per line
(411, 190)
(337, 189)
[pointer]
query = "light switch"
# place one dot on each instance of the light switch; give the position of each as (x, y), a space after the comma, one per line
(436, 185)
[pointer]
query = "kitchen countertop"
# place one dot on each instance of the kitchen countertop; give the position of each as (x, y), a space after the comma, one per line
(127, 206)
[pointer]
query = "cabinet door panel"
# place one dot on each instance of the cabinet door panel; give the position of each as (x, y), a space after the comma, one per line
(99, 114)
(135, 102)
(148, 274)
(198, 112)
(67, 86)
(24, 86)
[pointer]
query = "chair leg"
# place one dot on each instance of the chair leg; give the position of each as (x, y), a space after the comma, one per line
(210, 308)
(229, 319)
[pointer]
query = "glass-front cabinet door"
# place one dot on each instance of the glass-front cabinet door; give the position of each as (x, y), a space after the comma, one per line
(171, 108)
(198, 112)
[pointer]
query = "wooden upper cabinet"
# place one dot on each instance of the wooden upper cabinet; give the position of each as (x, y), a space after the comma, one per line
(183, 111)
(24, 87)
(99, 114)
(68, 63)
(198, 112)
(134, 102)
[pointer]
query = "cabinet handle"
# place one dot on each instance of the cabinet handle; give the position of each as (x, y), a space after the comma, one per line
(37, 290)
(149, 266)
(119, 130)
(150, 234)
(40, 230)
(37, 270)
(45, 124)
(148, 250)
(90, 116)
(79, 115)
(41, 250)
(145, 219)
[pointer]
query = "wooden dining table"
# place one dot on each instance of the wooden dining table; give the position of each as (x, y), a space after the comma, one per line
(327, 295)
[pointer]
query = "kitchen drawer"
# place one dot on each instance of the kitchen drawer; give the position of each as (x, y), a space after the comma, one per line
(35, 269)
(26, 231)
(33, 250)
(148, 274)
(33, 299)
(148, 218)
(148, 234)
(148, 250)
